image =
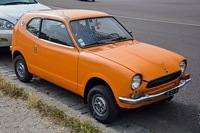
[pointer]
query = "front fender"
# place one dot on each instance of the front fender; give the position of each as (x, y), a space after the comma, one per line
(115, 75)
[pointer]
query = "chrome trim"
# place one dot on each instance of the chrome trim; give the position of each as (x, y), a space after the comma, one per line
(10, 48)
(152, 97)
(54, 43)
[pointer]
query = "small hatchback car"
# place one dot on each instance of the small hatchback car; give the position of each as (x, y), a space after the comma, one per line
(91, 54)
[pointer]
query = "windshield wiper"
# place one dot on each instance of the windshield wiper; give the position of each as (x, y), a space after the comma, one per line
(119, 38)
(96, 43)
(16, 3)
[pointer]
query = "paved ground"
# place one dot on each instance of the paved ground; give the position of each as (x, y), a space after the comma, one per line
(18, 119)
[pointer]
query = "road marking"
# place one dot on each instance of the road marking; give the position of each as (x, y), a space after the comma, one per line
(168, 22)
(151, 20)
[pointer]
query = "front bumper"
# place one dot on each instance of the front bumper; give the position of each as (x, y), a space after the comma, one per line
(155, 96)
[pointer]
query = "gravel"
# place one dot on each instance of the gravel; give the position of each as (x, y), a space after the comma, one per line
(17, 117)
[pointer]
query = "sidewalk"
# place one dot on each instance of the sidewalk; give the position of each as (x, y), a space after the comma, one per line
(16, 117)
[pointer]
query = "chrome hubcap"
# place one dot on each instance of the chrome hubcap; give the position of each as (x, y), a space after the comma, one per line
(20, 69)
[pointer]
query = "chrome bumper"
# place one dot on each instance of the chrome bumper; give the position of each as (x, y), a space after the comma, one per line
(152, 97)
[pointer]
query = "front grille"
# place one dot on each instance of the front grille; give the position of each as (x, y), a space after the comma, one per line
(163, 80)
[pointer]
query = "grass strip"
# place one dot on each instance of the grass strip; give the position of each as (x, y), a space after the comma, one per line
(52, 112)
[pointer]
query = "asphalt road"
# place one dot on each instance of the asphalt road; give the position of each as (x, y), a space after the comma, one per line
(171, 24)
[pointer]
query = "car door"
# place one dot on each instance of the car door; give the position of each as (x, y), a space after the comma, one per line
(56, 55)
(28, 42)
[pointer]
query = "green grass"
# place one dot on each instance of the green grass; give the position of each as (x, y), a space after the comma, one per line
(52, 112)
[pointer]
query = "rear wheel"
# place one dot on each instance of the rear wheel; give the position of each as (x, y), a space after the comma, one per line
(102, 104)
(21, 70)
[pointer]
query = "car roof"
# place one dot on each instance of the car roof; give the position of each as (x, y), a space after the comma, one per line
(72, 14)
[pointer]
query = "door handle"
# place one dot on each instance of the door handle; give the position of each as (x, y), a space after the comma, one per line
(35, 49)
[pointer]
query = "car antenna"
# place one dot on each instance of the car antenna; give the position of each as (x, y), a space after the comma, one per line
(65, 17)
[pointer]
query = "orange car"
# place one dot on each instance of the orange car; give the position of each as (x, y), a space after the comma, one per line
(91, 54)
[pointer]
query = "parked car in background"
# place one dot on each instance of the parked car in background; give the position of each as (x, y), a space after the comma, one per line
(10, 12)
(199, 118)
(91, 54)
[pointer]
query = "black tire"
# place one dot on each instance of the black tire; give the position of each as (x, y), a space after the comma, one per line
(93, 0)
(102, 104)
(21, 70)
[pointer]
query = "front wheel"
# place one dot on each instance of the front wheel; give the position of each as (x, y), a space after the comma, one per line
(21, 70)
(102, 104)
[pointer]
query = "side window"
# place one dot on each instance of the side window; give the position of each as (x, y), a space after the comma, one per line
(55, 31)
(34, 26)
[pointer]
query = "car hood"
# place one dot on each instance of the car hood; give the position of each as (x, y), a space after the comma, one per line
(141, 58)
(13, 12)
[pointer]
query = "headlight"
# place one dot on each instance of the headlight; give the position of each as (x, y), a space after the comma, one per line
(6, 25)
(136, 81)
(183, 66)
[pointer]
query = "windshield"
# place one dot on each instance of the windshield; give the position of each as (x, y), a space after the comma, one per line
(16, 2)
(98, 31)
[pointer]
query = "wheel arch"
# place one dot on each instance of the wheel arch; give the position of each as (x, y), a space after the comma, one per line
(91, 83)
(15, 54)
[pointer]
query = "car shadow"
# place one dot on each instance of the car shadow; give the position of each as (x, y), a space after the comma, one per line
(4, 50)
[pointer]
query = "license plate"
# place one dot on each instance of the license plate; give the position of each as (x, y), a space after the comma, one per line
(172, 92)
